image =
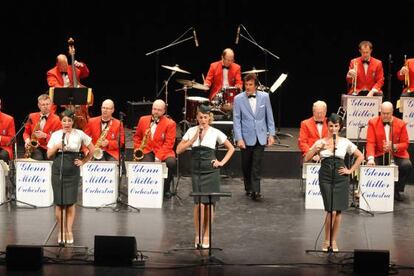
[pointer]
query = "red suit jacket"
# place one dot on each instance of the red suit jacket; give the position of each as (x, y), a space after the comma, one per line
(162, 144)
(373, 79)
(376, 136)
(214, 77)
(52, 124)
(410, 64)
(308, 134)
(94, 130)
(54, 77)
(7, 131)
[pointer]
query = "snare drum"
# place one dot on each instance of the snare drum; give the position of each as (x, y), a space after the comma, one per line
(229, 93)
(192, 105)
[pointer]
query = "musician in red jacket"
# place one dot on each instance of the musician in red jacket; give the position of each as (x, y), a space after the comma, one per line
(38, 129)
(313, 129)
(7, 132)
(406, 74)
(158, 132)
(223, 73)
(365, 76)
(387, 139)
(105, 131)
(62, 76)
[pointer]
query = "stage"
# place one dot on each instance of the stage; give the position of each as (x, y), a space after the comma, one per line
(266, 237)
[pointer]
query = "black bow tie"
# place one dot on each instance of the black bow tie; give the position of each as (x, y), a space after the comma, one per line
(251, 96)
(319, 122)
(104, 122)
(225, 67)
(365, 61)
(386, 123)
(43, 117)
(63, 73)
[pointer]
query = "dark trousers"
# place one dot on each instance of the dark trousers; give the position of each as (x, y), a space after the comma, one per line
(106, 157)
(39, 154)
(171, 165)
(4, 155)
(404, 169)
(251, 159)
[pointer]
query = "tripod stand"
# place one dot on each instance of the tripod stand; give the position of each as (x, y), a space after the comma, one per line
(12, 171)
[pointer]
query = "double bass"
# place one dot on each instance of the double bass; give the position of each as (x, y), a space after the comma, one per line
(81, 111)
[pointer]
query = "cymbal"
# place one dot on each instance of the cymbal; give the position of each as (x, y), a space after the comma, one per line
(254, 71)
(192, 84)
(175, 68)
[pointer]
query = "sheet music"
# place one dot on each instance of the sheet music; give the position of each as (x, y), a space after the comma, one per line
(278, 82)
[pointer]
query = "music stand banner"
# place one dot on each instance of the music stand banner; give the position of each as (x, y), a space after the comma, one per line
(99, 183)
(359, 110)
(146, 184)
(3, 172)
(34, 182)
(313, 197)
(377, 187)
(407, 108)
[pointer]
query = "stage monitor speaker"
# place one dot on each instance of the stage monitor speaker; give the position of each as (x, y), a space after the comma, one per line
(373, 262)
(24, 257)
(135, 110)
(115, 250)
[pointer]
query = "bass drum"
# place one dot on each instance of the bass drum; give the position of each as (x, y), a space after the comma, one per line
(192, 104)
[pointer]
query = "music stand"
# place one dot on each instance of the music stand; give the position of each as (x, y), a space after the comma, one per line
(70, 95)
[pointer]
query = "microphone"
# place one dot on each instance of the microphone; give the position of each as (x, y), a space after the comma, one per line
(195, 38)
(63, 138)
(199, 134)
(334, 138)
(238, 35)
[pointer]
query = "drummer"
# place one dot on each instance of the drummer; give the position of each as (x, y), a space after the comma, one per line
(222, 74)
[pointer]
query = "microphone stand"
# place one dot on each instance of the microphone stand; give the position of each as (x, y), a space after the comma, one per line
(157, 51)
(166, 90)
(12, 170)
(266, 52)
(120, 165)
(389, 77)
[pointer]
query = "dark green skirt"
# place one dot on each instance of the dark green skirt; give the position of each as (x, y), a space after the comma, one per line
(205, 177)
(70, 179)
(340, 184)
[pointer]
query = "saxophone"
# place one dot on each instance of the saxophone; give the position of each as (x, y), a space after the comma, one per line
(34, 143)
(139, 152)
(98, 152)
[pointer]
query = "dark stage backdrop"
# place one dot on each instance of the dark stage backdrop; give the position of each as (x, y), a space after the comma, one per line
(314, 47)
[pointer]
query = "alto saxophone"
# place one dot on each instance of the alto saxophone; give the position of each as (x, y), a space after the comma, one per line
(139, 152)
(34, 143)
(98, 152)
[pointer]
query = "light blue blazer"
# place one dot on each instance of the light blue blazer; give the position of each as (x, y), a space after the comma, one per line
(251, 126)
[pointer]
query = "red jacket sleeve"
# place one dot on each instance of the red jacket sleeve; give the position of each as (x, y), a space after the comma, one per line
(167, 147)
(370, 146)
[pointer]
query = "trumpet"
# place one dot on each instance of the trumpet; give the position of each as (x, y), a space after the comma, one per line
(98, 152)
(34, 143)
(354, 92)
(407, 75)
(139, 152)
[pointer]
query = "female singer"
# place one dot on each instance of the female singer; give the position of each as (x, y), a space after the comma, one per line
(205, 168)
(334, 176)
(65, 144)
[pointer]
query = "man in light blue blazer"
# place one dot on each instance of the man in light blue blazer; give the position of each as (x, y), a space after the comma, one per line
(254, 128)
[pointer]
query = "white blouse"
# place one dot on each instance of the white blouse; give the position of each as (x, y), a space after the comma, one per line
(343, 147)
(73, 140)
(211, 137)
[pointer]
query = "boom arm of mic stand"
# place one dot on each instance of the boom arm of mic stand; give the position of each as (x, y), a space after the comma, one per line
(13, 139)
(169, 45)
(260, 47)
